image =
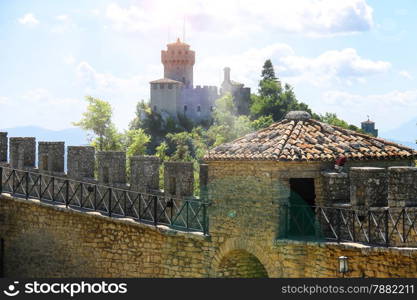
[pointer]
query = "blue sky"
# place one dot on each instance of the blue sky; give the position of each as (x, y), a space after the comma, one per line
(352, 57)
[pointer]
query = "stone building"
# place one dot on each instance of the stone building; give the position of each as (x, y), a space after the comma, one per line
(369, 127)
(175, 95)
(240, 94)
(291, 162)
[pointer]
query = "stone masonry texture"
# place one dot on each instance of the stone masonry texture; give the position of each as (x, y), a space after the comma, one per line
(144, 173)
(51, 157)
(3, 147)
(43, 240)
(81, 162)
(22, 152)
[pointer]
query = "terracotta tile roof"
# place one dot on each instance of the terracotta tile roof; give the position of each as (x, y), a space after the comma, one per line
(300, 138)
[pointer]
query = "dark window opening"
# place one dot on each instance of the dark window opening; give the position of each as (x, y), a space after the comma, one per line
(185, 108)
(198, 108)
(301, 220)
(155, 108)
(211, 108)
(170, 85)
(161, 85)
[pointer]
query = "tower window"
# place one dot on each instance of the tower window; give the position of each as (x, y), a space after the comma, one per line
(199, 108)
(154, 108)
(161, 85)
(185, 108)
(170, 85)
(211, 108)
(154, 86)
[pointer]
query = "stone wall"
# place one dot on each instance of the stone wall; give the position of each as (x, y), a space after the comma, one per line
(111, 168)
(81, 162)
(369, 187)
(144, 173)
(3, 147)
(402, 186)
(22, 152)
(179, 178)
(51, 157)
(336, 187)
(43, 240)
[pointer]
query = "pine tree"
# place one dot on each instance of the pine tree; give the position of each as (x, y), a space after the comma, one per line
(268, 72)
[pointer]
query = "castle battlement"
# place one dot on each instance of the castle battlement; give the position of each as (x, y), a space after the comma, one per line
(175, 96)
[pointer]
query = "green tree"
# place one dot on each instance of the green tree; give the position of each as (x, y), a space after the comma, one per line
(268, 72)
(97, 119)
(136, 142)
(332, 119)
(227, 125)
(272, 99)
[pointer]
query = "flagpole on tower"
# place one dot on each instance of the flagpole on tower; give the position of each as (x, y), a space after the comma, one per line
(183, 30)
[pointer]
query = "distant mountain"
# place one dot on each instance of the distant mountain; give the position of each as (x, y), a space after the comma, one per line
(71, 136)
(406, 134)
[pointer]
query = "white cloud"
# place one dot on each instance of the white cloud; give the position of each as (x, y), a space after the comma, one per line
(69, 60)
(42, 108)
(4, 100)
(405, 74)
(309, 17)
(28, 19)
(343, 67)
(381, 107)
(64, 24)
(122, 93)
(62, 18)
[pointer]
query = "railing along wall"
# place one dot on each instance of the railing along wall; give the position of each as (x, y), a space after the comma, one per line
(181, 214)
(380, 226)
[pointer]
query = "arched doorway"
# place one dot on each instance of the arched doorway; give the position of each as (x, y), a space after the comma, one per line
(241, 264)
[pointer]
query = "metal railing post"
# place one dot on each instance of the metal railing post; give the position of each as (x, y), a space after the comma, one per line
(338, 220)
(95, 197)
(40, 187)
(369, 227)
(155, 210)
(53, 188)
(67, 193)
(205, 225)
(1, 180)
(110, 196)
(187, 214)
(386, 228)
(27, 185)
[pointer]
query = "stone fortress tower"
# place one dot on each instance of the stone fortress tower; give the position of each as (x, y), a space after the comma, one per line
(241, 94)
(369, 127)
(175, 95)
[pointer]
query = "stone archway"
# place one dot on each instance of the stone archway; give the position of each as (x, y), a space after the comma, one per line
(241, 264)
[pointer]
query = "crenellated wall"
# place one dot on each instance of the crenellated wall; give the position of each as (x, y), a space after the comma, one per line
(22, 152)
(51, 157)
(3, 147)
(81, 162)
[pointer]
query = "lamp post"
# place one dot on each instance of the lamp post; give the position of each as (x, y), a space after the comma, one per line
(343, 265)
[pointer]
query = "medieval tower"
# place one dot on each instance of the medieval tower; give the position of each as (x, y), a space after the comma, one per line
(178, 61)
(175, 95)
